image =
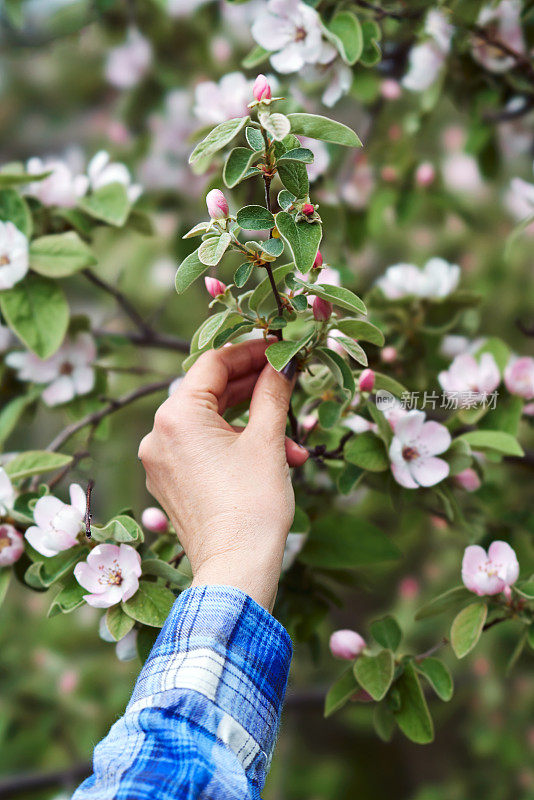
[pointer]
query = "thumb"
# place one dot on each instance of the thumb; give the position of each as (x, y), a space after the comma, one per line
(270, 401)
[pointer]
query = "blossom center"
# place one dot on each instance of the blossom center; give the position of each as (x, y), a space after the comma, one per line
(66, 368)
(111, 575)
(5, 541)
(300, 34)
(4, 260)
(409, 453)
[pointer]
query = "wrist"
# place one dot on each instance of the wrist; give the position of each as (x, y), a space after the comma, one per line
(259, 582)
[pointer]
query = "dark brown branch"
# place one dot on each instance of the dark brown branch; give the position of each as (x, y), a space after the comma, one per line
(521, 60)
(381, 12)
(95, 417)
(320, 452)
(160, 341)
(121, 299)
(14, 785)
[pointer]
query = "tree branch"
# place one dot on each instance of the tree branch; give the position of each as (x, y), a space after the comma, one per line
(159, 341)
(121, 299)
(381, 12)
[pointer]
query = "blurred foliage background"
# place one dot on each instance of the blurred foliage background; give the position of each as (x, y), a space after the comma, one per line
(61, 686)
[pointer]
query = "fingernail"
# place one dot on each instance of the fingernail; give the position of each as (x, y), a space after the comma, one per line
(289, 370)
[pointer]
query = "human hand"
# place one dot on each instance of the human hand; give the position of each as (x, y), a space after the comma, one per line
(227, 491)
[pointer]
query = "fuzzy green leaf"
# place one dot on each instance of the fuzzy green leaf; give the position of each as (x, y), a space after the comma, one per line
(328, 130)
(280, 353)
(189, 270)
(438, 676)
(212, 250)
(237, 165)
(367, 451)
(467, 628)
(345, 32)
(375, 673)
(217, 138)
(302, 238)
(60, 254)
(340, 692)
(36, 310)
(387, 632)
(35, 462)
(255, 218)
(109, 204)
(413, 717)
(150, 605)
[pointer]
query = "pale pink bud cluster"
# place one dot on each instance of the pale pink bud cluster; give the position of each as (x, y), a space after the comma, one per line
(519, 377)
(492, 572)
(11, 545)
(261, 89)
(390, 89)
(468, 479)
(214, 286)
(367, 380)
(217, 204)
(318, 263)
(153, 519)
(346, 644)
(388, 354)
(322, 309)
(425, 174)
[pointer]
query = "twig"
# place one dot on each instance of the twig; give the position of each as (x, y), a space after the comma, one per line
(14, 785)
(520, 59)
(88, 515)
(76, 458)
(96, 416)
(159, 341)
(385, 12)
(121, 299)
(320, 452)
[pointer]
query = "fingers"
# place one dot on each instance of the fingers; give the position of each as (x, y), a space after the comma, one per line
(238, 391)
(270, 403)
(296, 454)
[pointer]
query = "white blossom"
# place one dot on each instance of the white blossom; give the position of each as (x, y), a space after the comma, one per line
(128, 63)
(102, 171)
(14, 255)
(63, 187)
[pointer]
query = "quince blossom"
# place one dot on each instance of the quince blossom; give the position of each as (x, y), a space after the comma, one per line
(217, 102)
(475, 378)
(492, 572)
(11, 545)
(346, 644)
(427, 59)
(7, 493)
(68, 372)
(414, 448)
(436, 280)
(504, 22)
(292, 31)
(127, 64)
(57, 523)
(14, 255)
(102, 171)
(519, 377)
(63, 187)
(110, 573)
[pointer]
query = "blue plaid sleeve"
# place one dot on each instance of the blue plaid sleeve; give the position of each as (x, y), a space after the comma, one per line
(203, 718)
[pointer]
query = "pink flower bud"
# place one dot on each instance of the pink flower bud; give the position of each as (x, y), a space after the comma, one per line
(367, 380)
(425, 174)
(318, 263)
(11, 545)
(390, 89)
(214, 286)
(261, 89)
(68, 681)
(346, 644)
(408, 588)
(153, 519)
(217, 204)
(322, 309)
(389, 174)
(308, 422)
(468, 479)
(388, 354)
(308, 209)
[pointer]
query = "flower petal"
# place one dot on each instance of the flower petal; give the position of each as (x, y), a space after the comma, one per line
(408, 428)
(87, 577)
(402, 475)
(429, 471)
(433, 438)
(503, 556)
(46, 509)
(37, 538)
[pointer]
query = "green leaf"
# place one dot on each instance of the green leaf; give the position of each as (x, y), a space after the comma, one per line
(348, 478)
(12, 412)
(343, 541)
(280, 353)
(285, 199)
(340, 692)
(9, 179)
(237, 165)
(294, 176)
(360, 329)
(150, 605)
(329, 412)
(189, 270)
(146, 638)
(118, 623)
(197, 230)
(254, 138)
(467, 628)
(45, 573)
(338, 295)
(328, 130)
(273, 247)
(256, 56)
(498, 349)
(375, 673)
(438, 676)
(345, 32)
(243, 273)
(367, 451)
(13, 208)
(384, 721)
(35, 462)
(212, 250)
(372, 34)
(122, 529)
(387, 632)
(277, 125)
(299, 302)
(263, 289)
(228, 334)
(218, 138)
(60, 254)
(499, 441)
(36, 310)
(413, 717)
(155, 566)
(444, 602)
(109, 204)
(301, 154)
(338, 367)
(353, 349)
(302, 238)
(526, 588)
(69, 598)
(211, 326)
(388, 384)
(5, 578)
(255, 218)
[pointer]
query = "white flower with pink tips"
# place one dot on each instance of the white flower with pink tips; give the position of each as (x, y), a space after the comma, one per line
(110, 573)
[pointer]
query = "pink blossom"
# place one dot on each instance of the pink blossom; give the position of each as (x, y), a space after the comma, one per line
(409, 588)
(367, 380)
(261, 89)
(126, 648)
(102, 171)
(110, 573)
(358, 188)
(461, 174)
(528, 410)
(127, 64)
(503, 20)
(68, 681)
(346, 644)
(63, 187)
(519, 377)
(437, 279)
(389, 174)
(155, 520)
(468, 479)
(427, 59)
(322, 309)
(492, 572)
(318, 263)
(390, 89)
(14, 255)
(57, 523)
(217, 204)
(7, 493)
(218, 102)
(308, 422)
(414, 448)
(214, 286)
(358, 424)
(388, 354)
(11, 545)
(5, 338)
(470, 380)
(68, 373)
(425, 174)
(321, 157)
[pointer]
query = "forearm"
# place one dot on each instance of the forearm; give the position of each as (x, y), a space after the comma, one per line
(205, 710)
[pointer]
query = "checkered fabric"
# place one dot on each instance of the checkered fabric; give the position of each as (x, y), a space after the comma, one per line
(203, 718)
